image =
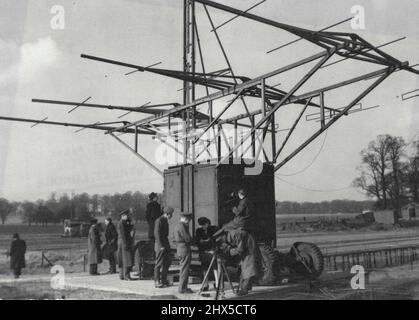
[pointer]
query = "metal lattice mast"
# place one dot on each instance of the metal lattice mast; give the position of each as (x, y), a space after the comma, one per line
(188, 68)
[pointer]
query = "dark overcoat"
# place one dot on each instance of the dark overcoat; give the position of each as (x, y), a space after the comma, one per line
(94, 252)
(183, 240)
(243, 245)
(161, 234)
(17, 254)
(242, 218)
(111, 241)
(125, 244)
(152, 212)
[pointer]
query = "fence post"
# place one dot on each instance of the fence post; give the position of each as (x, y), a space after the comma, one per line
(42, 258)
(84, 263)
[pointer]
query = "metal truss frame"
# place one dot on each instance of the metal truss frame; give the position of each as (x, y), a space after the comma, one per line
(223, 83)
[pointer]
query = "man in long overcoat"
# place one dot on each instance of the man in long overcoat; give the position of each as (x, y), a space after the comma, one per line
(125, 246)
(94, 252)
(17, 255)
(111, 244)
(162, 248)
(183, 242)
(152, 212)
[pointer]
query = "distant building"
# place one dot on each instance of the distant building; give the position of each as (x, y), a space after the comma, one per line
(410, 211)
(386, 216)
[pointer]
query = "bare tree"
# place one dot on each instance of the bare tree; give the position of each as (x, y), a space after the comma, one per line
(382, 172)
(373, 170)
(396, 146)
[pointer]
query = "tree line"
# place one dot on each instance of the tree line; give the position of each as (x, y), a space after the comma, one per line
(82, 206)
(389, 172)
(334, 206)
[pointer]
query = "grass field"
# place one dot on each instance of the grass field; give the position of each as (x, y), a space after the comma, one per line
(50, 237)
(67, 252)
(9, 229)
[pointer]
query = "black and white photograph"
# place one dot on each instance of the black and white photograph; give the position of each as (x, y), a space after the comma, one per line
(209, 154)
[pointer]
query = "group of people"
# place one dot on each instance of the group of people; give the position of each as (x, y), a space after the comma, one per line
(117, 249)
(238, 242)
(120, 243)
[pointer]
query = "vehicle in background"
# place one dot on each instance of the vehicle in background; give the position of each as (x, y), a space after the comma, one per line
(76, 228)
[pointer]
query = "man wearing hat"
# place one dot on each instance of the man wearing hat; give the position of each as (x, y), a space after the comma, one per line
(94, 252)
(17, 255)
(205, 242)
(152, 212)
(183, 241)
(125, 247)
(162, 248)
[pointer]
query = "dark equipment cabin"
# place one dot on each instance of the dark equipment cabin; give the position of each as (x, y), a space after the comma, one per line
(206, 191)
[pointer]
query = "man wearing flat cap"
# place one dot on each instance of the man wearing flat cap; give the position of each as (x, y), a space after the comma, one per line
(125, 247)
(152, 212)
(183, 241)
(162, 248)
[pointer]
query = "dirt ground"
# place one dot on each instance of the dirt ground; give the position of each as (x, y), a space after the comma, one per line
(71, 260)
(398, 283)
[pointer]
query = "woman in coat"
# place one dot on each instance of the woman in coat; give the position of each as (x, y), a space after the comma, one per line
(94, 252)
(17, 255)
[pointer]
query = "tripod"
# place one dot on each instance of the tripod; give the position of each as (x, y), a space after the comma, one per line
(221, 273)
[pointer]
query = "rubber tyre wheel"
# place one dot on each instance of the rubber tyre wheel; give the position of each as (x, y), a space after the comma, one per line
(269, 266)
(313, 258)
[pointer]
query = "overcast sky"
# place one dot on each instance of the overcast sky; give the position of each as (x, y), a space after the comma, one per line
(37, 61)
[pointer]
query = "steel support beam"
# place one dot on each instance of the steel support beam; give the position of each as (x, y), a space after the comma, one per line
(152, 166)
(215, 120)
(334, 119)
(322, 120)
(232, 90)
(277, 105)
(225, 57)
(291, 130)
(316, 92)
(76, 125)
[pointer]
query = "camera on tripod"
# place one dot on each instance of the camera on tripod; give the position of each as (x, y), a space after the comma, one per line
(220, 255)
